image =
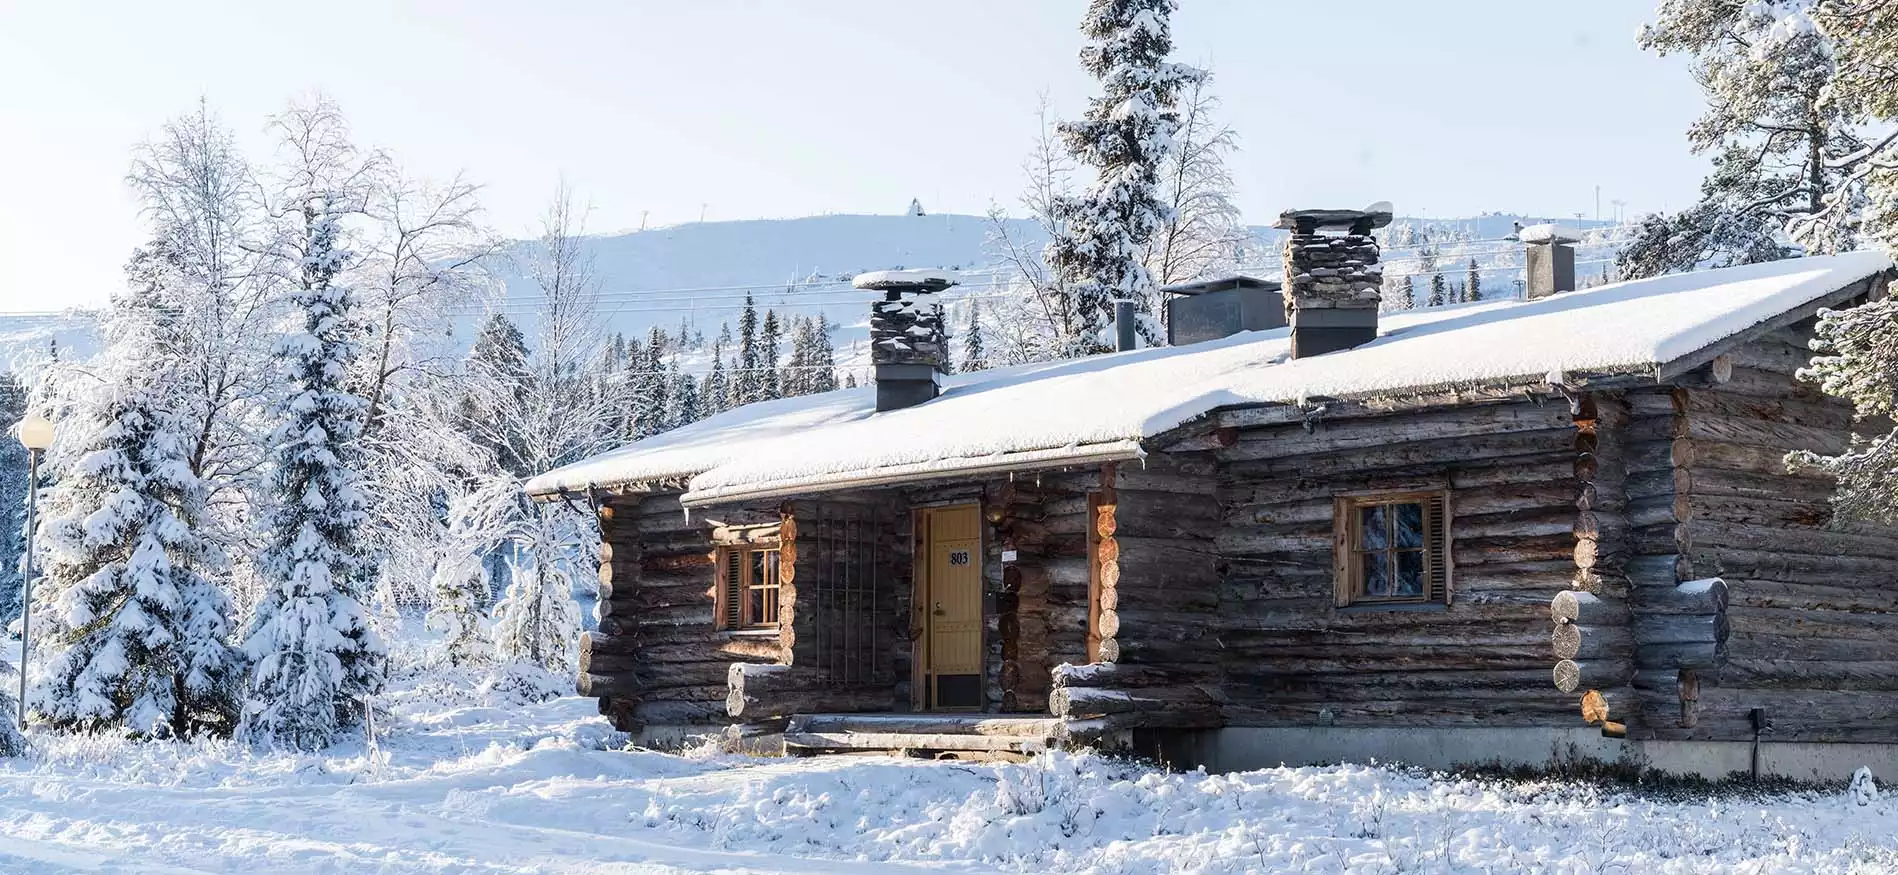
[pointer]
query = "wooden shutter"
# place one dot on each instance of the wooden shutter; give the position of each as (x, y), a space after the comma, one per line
(1436, 512)
(732, 585)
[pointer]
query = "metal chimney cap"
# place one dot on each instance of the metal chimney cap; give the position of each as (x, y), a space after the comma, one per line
(927, 280)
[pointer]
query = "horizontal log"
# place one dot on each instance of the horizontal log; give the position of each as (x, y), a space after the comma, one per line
(1083, 702)
(760, 691)
(1462, 452)
(910, 741)
(1701, 597)
(1118, 676)
(1329, 435)
(1680, 629)
(664, 713)
(599, 686)
(1087, 730)
(1697, 655)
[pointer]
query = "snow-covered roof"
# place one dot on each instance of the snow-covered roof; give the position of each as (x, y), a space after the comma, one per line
(1102, 407)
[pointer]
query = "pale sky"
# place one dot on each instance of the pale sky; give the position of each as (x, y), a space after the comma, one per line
(666, 110)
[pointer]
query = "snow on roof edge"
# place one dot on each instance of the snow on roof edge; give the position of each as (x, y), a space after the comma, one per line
(1109, 451)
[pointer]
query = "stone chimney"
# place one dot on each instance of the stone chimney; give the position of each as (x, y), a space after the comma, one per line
(1333, 283)
(907, 346)
(1550, 258)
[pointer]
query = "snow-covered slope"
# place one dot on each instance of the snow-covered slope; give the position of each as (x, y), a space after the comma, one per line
(699, 273)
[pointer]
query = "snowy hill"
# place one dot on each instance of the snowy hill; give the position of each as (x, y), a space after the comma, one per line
(699, 273)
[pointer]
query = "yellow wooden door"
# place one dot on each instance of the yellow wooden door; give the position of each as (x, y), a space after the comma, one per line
(954, 607)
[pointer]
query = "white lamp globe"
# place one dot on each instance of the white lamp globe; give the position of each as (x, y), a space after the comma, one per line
(36, 432)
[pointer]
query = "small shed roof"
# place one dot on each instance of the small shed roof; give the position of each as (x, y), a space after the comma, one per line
(1221, 284)
(1103, 407)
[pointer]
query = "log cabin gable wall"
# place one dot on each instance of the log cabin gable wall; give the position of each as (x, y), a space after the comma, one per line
(1811, 617)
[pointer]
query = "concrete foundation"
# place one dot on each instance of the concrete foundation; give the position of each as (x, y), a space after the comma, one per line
(1242, 748)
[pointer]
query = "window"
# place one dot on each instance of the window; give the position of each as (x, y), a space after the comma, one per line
(748, 586)
(1392, 549)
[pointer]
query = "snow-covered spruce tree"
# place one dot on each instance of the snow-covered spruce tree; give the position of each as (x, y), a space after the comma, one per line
(1785, 141)
(769, 336)
(1473, 283)
(823, 373)
(974, 358)
(745, 383)
(133, 635)
(1126, 136)
(315, 659)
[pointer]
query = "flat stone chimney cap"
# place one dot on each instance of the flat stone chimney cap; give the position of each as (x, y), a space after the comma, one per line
(930, 280)
(1377, 215)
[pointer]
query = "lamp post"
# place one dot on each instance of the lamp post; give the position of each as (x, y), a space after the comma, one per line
(36, 434)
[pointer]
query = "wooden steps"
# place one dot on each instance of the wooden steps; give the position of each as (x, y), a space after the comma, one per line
(945, 735)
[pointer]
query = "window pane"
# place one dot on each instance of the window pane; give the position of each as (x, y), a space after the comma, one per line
(1374, 528)
(1410, 575)
(1377, 574)
(768, 605)
(760, 566)
(1409, 519)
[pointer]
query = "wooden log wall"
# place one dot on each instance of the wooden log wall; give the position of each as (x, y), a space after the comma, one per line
(1812, 601)
(1042, 606)
(655, 659)
(1290, 657)
(1160, 566)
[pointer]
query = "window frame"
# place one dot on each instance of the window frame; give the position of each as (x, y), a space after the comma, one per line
(733, 605)
(1348, 555)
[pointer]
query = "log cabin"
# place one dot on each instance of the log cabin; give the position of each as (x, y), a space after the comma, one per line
(1527, 530)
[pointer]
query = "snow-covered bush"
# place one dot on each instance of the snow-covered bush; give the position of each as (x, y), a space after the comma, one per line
(461, 590)
(537, 622)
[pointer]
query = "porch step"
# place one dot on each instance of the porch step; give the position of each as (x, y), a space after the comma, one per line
(946, 733)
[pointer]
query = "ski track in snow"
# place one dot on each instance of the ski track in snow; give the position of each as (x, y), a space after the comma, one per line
(463, 785)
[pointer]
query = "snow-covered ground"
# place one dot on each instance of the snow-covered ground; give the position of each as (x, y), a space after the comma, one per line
(467, 780)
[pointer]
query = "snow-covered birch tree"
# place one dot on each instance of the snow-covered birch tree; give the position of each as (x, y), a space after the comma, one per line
(135, 636)
(194, 184)
(1126, 136)
(1203, 231)
(315, 658)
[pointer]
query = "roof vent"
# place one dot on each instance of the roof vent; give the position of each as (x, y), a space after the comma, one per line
(1209, 309)
(907, 347)
(1333, 283)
